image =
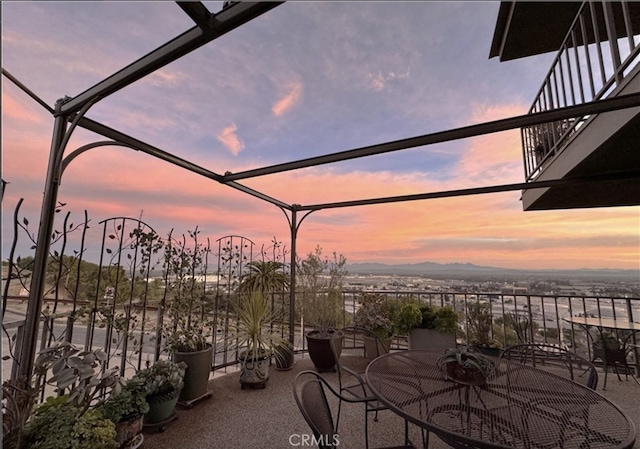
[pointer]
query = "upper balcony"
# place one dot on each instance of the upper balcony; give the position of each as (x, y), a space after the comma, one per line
(598, 46)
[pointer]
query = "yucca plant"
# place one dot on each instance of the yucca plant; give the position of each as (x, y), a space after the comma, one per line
(251, 333)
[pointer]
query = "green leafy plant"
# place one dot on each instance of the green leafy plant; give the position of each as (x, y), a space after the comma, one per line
(82, 373)
(189, 308)
(374, 314)
(409, 316)
(443, 319)
(320, 280)
(127, 401)
(162, 377)
(59, 423)
(480, 325)
(265, 276)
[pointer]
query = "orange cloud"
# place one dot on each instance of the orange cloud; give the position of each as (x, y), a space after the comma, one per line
(289, 100)
(229, 138)
(481, 229)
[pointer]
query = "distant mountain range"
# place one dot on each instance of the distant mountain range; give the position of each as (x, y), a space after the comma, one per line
(471, 271)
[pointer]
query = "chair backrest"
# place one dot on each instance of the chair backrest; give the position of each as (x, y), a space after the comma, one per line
(309, 393)
(554, 359)
(349, 338)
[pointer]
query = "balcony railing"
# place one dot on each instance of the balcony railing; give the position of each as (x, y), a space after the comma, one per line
(599, 51)
(543, 312)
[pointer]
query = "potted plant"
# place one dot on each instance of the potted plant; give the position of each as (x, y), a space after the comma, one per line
(428, 326)
(284, 356)
(126, 407)
(265, 276)
(465, 366)
(162, 382)
(73, 419)
(480, 329)
(189, 309)
(374, 314)
(254, 342)
(321, 282)
(59, 423)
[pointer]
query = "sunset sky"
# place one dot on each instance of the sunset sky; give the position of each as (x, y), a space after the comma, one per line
(305, 79)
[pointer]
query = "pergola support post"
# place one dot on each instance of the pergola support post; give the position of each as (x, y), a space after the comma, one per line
(26, 354)
(293, 226)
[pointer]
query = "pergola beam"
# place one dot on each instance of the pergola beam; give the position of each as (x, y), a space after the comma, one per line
(139, 145)
(520, 121)
(224, 21)
(198, 13)
(475, 191)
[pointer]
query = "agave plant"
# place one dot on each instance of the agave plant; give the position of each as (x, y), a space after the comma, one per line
(468, 358)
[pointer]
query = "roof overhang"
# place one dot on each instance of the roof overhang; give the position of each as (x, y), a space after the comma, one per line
(531, 28)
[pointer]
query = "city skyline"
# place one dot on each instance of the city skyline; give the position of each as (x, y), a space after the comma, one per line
(304, 79)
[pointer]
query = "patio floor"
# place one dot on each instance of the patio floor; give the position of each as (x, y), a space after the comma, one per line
(235, 418)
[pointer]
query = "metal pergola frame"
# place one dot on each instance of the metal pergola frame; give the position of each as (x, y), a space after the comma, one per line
(70, 113)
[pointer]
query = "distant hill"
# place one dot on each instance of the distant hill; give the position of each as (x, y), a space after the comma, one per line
(471, 271)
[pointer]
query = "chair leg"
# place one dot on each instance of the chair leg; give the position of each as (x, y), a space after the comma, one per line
(425, 438)
(375, 417)
(366, 427)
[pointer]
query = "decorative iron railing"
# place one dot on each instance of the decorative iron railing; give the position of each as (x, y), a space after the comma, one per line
(543, 314)
(601, 48)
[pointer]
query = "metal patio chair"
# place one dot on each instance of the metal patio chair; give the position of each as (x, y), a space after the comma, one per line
(554, 359)
(309, 391)
(613, 352)
(351, 382)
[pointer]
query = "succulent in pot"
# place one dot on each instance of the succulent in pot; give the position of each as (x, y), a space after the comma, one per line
(163, 382)
(163, 377)
(465, 365)
(126, 407)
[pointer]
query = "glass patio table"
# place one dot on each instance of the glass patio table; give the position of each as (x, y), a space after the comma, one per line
(518, 407)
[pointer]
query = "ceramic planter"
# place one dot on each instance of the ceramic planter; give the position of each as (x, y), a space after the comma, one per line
(254, 373)
(420, 338)
(127, 430)
(285, 359)
(370, 350)
(320, 349)
(196, 377)
(161, 407)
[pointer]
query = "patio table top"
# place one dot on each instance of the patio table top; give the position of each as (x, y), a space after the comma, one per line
(518, 407)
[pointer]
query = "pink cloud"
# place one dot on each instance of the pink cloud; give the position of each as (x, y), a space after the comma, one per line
(289, 100)
(229, 138)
